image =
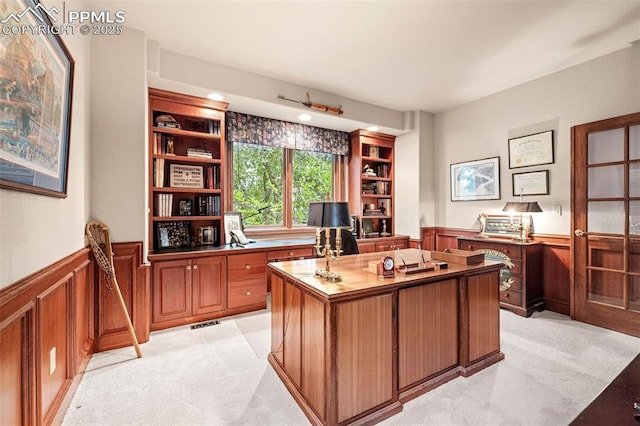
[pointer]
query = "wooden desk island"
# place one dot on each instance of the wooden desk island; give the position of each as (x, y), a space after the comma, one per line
(354, 351)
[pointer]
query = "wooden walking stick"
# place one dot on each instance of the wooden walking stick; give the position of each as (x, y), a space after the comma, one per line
(98, 235)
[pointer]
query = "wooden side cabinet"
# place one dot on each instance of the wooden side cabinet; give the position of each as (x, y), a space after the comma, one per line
(521, 278)
(370, 245)
(186, 288)
(247, 279)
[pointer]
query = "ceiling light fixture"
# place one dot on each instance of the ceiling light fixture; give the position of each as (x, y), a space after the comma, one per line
(304, 117)
(215, 96)
(373, 128)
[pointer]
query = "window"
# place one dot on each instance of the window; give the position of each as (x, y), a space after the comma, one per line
(273, 186)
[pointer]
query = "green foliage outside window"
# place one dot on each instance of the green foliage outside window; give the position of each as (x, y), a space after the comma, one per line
(312, 181)
(258, 181)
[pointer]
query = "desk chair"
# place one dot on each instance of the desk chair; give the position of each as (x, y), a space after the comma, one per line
(349, 243)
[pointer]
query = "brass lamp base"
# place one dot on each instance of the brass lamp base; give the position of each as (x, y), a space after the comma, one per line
(328, 275)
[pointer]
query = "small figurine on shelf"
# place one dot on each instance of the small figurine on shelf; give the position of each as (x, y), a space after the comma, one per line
(169, 146)
(383, 232)
(368, 171)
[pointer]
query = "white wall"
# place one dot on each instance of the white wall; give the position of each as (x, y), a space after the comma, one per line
(605, 87)
(119, 134)
(413, 172)
(36, 230)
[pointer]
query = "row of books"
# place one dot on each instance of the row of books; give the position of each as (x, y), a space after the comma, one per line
(164, 203)
(382, 170)
(198, 151)
(207, 205)
(162, 144)
(211, 127)
(380, 188)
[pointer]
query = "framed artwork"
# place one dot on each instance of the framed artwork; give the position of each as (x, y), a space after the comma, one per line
(476, 180)
(232, 220)
(173, 234)
(36, 90)
(531, 150)
(531, 183)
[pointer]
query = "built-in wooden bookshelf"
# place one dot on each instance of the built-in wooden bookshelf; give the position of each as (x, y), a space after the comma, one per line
(186, 169)
(371, 183)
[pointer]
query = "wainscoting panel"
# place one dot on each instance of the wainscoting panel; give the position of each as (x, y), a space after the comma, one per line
(46, 332)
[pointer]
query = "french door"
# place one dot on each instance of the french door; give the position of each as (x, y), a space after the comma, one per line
(606, 223)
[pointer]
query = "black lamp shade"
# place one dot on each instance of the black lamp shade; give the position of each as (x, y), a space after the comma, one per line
(521, 207)
(334, 214)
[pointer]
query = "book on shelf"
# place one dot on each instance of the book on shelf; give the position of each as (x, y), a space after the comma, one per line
(158, 172)
(372, 212)
(199, 152)
(208, 205)
(164, 203)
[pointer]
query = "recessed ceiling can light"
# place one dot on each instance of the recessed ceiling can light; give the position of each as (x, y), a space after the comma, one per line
(372, 128)
(215, 96)
(304, 117)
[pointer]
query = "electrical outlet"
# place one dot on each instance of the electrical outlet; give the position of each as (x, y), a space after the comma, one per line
(52, 360)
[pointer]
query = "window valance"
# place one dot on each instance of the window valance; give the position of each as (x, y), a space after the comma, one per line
(248, 128)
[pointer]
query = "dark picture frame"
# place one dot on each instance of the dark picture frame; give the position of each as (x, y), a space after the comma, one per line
(173, 234)
(476, 180)
(531, 150)
(35, 120)
(531, 183)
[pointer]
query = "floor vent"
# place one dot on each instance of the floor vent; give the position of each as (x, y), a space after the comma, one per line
(205, 324)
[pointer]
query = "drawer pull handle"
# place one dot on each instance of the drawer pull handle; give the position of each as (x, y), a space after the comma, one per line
(290, 253)
(195, 266)
(248, 293)
(248, 266)
(188, 267)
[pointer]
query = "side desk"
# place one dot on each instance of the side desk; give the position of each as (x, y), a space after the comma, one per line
(520, 278)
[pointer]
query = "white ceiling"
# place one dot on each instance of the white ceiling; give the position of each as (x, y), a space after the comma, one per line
(402, 55)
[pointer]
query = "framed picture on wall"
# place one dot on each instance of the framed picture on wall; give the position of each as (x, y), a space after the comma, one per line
(35, 118)
(476, 180)
(531, 183)
(531, 150)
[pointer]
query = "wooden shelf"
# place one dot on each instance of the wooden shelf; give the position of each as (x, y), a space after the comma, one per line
(186, 133)
(186, 159)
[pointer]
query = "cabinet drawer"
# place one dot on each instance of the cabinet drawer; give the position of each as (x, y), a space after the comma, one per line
(247, 266)
(512, 251)
(392, 245)
(247, 292)
(511, 297)
(368, 247)
(516, 282)
(290, 254)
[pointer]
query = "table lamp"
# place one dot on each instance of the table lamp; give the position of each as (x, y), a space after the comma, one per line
(522, 208)
(329, 215)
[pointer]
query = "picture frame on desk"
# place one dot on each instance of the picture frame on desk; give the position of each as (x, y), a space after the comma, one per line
(36, 112)
(207, 235)
(232, 220)
(476, 180)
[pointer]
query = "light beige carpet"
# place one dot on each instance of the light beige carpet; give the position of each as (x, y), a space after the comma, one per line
(219, 375)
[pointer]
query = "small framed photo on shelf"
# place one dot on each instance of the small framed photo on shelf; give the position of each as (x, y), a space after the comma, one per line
(232, 220)
(374, 152)
(531, 183)
(207, 235)
(185, 207)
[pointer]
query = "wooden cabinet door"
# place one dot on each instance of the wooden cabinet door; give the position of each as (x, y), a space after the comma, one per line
(171, 290)
(209, 284)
